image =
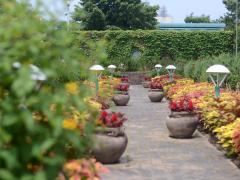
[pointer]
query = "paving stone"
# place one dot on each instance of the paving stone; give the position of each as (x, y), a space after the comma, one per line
(152, 155)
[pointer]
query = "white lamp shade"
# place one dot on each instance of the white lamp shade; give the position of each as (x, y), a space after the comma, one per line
(171, 67)
(112, 66)
(37, 74)
(16, 65)
(158, 66)
(96, 67)
(220, 69)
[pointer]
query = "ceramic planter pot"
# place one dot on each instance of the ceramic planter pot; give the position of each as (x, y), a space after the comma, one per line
(155, 95)
(121, 99)
(109, 145)
(146, 84)
(182, 124)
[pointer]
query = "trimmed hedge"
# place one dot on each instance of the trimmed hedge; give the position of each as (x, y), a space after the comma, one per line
(156, 46)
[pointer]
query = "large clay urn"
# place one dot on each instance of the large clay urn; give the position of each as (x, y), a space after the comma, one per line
(182, 124)
(155, 95)
(121, 99)
(109, 145)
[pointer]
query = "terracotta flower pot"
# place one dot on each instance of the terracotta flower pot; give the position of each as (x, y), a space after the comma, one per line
(146, 84)
(109, 145)
(155, 95)
(121, 99)
(182, 124)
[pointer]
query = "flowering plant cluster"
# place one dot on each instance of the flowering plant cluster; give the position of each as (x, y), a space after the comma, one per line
(87, 169)
(147, 78)
(236, 137)
(184, 104)
(164, 79)
(124, 79)
(122, 87)
(220, 116)
(156, 85)
(112, 119)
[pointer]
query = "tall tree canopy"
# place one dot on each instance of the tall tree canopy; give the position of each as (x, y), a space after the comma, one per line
(197, 19)
(125, 14)
(230, 16)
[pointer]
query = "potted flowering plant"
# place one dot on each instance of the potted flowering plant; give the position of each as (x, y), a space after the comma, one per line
(147, 81)
(182, 122)
(110, 140)
(124, 79)
(121, 96)
(155, 94)
(82, 169)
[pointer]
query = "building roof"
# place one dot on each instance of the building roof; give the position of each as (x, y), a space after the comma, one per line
(191, 26)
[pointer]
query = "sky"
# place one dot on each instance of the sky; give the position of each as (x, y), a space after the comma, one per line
(177, 9)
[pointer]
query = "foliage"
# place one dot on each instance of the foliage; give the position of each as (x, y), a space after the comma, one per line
(226, 137)
(87, 169)
(217, 112)
(91, 17)
(230, 16)
(111, 119)
(197, 19)
(188, 88)
(33, 143)
(101, 14)
(157, 46)
(236, 137)
(197, 69)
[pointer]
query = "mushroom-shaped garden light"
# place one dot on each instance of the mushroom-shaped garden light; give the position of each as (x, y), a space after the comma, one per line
(97, 69)
(170, 69)
(158, 68)
(111, 69)
(218, 74)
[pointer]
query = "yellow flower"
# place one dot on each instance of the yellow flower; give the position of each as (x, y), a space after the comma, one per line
(70, 124)
(72, 88)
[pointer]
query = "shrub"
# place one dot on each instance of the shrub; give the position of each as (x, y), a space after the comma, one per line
(34, 145)
(197, 69)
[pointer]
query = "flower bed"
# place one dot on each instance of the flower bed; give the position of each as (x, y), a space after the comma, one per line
(218, 116)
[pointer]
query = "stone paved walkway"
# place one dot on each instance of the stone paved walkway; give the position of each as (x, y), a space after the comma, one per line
(152, 155)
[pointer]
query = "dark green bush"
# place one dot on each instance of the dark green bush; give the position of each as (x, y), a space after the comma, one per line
(197, 69)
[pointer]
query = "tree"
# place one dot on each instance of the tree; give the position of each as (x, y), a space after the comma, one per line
(91, 17)
(197, 19)
(230, 16)
(125, 14)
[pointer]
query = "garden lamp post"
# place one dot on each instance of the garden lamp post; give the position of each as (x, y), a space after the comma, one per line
(97, 69)
(111, 69)
(35, 73)
(158, 68)
(218, 74)
(171, 69)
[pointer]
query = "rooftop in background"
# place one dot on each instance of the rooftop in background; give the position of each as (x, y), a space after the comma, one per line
(191, 26)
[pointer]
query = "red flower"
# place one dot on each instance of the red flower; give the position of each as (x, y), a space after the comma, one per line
(173, 106)
(104, 114)
(190, 105)
(114, 117)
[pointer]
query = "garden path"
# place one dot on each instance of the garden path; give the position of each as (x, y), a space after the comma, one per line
(152, 155)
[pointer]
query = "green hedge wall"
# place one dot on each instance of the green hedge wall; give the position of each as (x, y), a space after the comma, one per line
(159, 46)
